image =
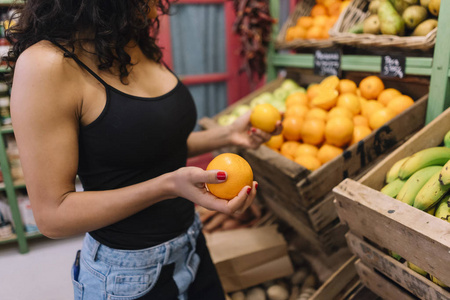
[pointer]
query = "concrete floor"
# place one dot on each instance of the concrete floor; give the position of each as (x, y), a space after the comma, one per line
(41, 274)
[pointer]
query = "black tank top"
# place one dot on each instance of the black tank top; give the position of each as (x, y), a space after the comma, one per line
(133, 140)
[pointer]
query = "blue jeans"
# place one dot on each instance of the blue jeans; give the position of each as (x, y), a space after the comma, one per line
(165, 271)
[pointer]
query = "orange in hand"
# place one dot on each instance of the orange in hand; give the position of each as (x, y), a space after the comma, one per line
(239, 175)
(265, 117)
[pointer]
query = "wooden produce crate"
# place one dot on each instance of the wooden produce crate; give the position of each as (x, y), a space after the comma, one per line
(378, 222)
(355, 13)
(303, 8)
(302, 198)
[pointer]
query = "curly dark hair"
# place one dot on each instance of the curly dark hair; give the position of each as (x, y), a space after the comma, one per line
(111, 25)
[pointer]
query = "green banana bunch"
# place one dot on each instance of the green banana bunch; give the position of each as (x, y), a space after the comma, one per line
(431, 193)
(447, 139)
(417, 269)
(395, 255)
(442, 209)
(434, 156)
(444, 178)
(412, 186)
(392, 189)
(392, 174)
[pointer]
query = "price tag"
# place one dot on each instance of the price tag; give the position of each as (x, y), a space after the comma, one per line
(393, 66)
(327, 62)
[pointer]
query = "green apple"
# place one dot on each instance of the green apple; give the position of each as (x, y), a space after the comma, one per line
(289, 84)
(263, 98)
(280, 93)
(225, 120)
(279, 104)
(298, 90)
(240, 110)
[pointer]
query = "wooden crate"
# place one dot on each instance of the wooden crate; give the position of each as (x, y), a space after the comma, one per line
(378, 222)
(302, 198)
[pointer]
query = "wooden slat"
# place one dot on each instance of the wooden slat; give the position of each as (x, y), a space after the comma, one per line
(379, 285)
(337, 282)
(415, 235)
(418, 285)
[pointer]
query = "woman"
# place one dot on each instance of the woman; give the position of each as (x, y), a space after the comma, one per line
(92, 97)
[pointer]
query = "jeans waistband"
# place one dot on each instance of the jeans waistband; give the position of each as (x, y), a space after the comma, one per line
(142, 257)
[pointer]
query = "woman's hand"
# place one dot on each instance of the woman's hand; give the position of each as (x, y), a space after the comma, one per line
(189, 183)
(244, 135)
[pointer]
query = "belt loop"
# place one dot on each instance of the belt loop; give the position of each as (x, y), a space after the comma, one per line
(95, 245)
(167, 251)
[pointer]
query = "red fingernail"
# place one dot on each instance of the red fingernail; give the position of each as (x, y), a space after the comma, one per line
(253, 130)
(221, 176)
(256, 186)
(249, 190)
(249, 132)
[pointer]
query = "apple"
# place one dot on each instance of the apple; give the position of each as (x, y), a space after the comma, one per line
(240, 110)
(280, 93)
(225, 120)
(263, 98)
(298, 90)
(289, 84)
(279, 104)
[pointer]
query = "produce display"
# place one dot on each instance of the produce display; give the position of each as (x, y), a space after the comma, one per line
(322, 17)
(321, 121)
(400, 17)
(422, 180)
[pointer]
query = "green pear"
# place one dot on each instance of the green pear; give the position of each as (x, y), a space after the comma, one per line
(434, 6)
(425, 3)
(390, 21)
(414, 15)
(400, 5)
(372, 25)
(425, 27)
(373, 6)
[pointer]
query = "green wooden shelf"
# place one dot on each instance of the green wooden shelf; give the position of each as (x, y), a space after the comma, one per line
(9, 3)
(6, 129)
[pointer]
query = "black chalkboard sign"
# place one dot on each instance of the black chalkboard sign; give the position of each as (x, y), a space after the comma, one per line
(327, 62)
(393, 66)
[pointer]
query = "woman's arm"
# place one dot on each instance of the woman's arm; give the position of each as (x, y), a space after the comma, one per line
(240, 133)
(46, 104)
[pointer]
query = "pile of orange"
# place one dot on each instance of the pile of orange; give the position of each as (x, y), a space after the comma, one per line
(332, 115)
(322, 17)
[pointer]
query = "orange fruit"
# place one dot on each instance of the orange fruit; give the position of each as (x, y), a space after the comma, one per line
(305, 22)
(318, 10)
(320, 21)
(339, 112)
(308, 161)
(334, 9)
(339, 131)
(289, 148)
(316, 113)
(275, 141)
(359, 133)
(387, 95)
(380, 117)
(400, 103)
(344, 4)
(349, 101)
(347, 86)
(369, 107)
(325, 33)
(331, 21)
(328, 3)
(297, 110)
(328, 152)
(265, 116)
(306, 149)
(371, 87)
(358, 93)
(312, 91)
(295, 32)
(359, 120)
(330, 82)
(296, 98)
(314, 33)
(292, 127)
(313, 131)
(326, 99)
(239, 175)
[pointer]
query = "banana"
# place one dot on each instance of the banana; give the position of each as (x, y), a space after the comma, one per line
(437, 281)
(395, 255)
(443, 210)
(432, 210)
(447, 139)
(431, 193)
(444, 178)
(417, 269)
(392, 189)
(412, 186)
(392, 174)
(434, 156)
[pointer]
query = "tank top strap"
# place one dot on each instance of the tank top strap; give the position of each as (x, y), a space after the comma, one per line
(72, 55)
